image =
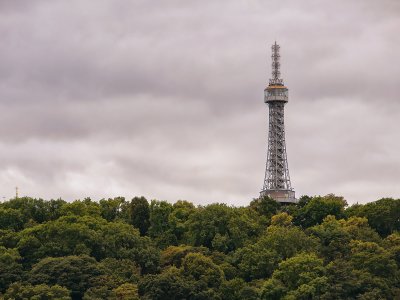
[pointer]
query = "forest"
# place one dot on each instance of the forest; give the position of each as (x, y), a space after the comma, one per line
(320, 248)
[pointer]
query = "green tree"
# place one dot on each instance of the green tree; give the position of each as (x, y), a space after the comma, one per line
(160, 230)
(223, 228)
(178, 218)
(10, 267)
(8, 238)
(173, 255)
(87, 207)
(138, 214)
(286, 241)
(23, 291)
(383, 215)
(37, 210)
(282, 219)
(74, 235)
(335, 235)
(392, 244)
(318, 208)
(346, 282)
(126, 291)
(299, 277)
(238, 289)
(202, 269)
(265, 206)
(11, 219)
(111, 208)
(121, 270)
(169, 285)
(371, 257)
(72, 272)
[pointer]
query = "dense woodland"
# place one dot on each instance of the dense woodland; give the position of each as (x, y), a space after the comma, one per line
(115, 248)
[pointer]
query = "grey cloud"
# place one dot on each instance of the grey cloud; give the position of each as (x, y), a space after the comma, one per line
(164, 98)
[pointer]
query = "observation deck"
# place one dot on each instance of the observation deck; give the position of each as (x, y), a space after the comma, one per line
(276, 93)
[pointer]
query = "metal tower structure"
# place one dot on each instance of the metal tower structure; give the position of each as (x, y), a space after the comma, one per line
(277, 180)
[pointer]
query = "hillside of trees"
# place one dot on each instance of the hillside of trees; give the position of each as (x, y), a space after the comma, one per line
(320, 248)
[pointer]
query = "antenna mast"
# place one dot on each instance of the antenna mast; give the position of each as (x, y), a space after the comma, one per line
(276, 65)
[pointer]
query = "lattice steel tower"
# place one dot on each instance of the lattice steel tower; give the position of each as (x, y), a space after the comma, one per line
(277, 180)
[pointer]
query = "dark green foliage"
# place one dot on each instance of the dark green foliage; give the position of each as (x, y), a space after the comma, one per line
(23, 291)
(138, 211)
(112, 209)
(317, 208)
(10, 267)
(75, 235)
(37, 210)
(223, 228)
(73, 272)
(383, 215)
(170, 284)
(265, 206)
(12, 219)
(116, 249)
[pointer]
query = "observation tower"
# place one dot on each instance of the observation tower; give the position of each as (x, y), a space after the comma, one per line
(277, 180)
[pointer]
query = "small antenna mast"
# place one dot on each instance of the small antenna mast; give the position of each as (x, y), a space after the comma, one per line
(276, 65)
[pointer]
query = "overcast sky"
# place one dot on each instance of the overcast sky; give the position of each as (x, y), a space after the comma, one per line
(164, 99)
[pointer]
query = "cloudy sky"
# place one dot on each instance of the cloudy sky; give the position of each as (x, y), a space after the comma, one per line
(164, 99)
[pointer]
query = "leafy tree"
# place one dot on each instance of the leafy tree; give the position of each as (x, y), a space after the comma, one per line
(202, 269)
(318, 208)
(72, 272)
(121, 270)
(23, 291)
(371, 257)
(74, 235)
(392, 244)
(335, 235)
(8, 238)
(173, 255)
(303, 201)
(265, 206)
(286, 241)
(99, 292)
(346, 282)
(10, 267)
(160, 229)
(238, 289)
(87, 207)
(111, 208)
(383, 215)
(299, 277)
(126, 291)
(138, 214)
(179, 216)
(11, 219)
(169, 285)
(223, 228)
(282, 219)
(37, 210)
(255, 261)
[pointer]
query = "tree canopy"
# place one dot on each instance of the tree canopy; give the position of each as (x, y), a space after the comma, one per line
(319, 248)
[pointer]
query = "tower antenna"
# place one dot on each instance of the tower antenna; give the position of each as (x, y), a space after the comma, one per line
(276, 66)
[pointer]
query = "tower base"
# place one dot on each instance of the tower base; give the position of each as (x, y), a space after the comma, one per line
(282, 196)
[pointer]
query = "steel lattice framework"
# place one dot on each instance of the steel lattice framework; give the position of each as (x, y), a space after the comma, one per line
(277, 180)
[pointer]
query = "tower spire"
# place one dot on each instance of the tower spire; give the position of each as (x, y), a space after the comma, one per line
(276, 66)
